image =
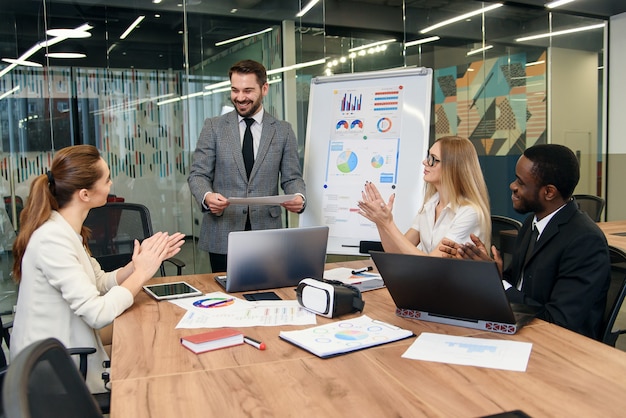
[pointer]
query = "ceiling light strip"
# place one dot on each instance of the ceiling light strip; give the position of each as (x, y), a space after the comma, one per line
(307, 8)
(239, 38)
(560, 32)
(477, 50)
(372, 45)
(557, 3)
(462, 17)
(421, 41)
(26, 55)
(132, 27)
(10, 92)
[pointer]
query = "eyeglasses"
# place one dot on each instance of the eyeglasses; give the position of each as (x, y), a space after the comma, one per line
(431, 160)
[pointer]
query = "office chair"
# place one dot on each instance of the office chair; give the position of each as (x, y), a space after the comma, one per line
(505, 243)
(591, 205)
(4, 365)
(114, 227)
(615, 296)
(102, 399)
(42, 381)
(19, 205)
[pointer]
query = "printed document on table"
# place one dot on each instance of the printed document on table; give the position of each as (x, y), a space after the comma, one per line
(261, 313)
(344, 275)
(211, 302)
(363, 281)
(469, 351)
(263, 200)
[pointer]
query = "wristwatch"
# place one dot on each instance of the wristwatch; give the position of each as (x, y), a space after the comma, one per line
(303, 203)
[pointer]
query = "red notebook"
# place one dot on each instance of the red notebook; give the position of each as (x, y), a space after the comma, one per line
(212, 340)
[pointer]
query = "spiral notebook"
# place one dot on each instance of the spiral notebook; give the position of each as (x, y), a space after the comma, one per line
(345, 336)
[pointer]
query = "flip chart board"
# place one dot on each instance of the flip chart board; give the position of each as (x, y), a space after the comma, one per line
(370, 126)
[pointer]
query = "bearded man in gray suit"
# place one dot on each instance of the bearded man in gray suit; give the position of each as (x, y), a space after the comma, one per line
(218, 170)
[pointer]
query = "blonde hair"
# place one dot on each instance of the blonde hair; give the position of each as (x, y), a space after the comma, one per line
(462, 180)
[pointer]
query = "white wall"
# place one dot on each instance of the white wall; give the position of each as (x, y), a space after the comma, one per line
(574, 109)
(616, 132)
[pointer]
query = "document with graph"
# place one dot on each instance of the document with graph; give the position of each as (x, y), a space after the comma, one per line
(345, 336)
(470, 351)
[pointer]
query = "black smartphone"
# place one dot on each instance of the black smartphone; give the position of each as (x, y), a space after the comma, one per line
(261, 296)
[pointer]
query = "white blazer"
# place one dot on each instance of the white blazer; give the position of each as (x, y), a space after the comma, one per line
(65, 294)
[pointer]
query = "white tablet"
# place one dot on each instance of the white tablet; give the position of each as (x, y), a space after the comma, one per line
(173, 290)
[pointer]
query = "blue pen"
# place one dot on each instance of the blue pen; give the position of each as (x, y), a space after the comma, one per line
(218, 303)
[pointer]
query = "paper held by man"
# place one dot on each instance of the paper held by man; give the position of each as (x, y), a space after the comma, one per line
(262, 200)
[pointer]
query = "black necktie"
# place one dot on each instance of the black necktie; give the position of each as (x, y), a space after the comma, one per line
(531, 243)
(248, 148)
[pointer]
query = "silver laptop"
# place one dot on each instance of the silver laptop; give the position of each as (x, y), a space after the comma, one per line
(273, 258)
(451, 291)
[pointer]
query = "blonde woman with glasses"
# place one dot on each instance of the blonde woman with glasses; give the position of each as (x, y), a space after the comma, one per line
(456, 203)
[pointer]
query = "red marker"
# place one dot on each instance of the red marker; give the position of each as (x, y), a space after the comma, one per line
(254, 343)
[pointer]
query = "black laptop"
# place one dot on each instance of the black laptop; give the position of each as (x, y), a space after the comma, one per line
(465, 293)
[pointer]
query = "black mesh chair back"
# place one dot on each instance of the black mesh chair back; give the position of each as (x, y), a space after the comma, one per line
(19, 206)
(591, 205)
(504, 242)
(43, 382)
(615, 296)
(3, 363)
(114, 228)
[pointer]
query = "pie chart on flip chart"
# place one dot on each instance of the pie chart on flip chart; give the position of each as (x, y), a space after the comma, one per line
(377, 161)
(342, 125)
(347, 161)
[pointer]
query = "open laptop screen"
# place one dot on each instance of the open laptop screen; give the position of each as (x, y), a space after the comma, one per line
(461, 289)
(274, 258)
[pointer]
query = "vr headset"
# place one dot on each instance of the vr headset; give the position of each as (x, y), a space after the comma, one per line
(329, 298)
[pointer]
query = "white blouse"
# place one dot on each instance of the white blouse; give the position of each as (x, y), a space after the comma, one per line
(455, 225)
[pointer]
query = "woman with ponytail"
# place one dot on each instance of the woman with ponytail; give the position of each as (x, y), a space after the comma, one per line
(63, 292)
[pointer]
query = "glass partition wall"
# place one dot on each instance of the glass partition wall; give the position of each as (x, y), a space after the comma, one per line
(138, 79)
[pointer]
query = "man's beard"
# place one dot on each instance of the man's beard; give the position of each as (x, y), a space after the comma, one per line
(253, 109)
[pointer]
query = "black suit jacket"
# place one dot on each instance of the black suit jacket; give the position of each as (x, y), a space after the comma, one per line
(568, 272)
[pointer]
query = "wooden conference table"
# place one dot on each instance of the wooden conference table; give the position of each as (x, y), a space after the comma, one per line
(154, 376)
(615, 232)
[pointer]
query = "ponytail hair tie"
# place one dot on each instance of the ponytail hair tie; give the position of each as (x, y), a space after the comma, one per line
(50, 177)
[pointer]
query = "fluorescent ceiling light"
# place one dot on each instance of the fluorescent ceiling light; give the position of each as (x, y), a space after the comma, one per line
(462, 17)
(22, 62)
(10, 92)
(307, 8)
(373, 44)
(132, 26)
(477, 50)
(69, 33)
(530, 64)
(217, 85)
(239, 38)
(320, 61)
(421, 41)
(557, 3)
(297, 66)
(65, 55)
(560, 32)
(40, 45)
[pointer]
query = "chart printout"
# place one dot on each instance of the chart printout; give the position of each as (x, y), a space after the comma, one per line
(363, 145)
